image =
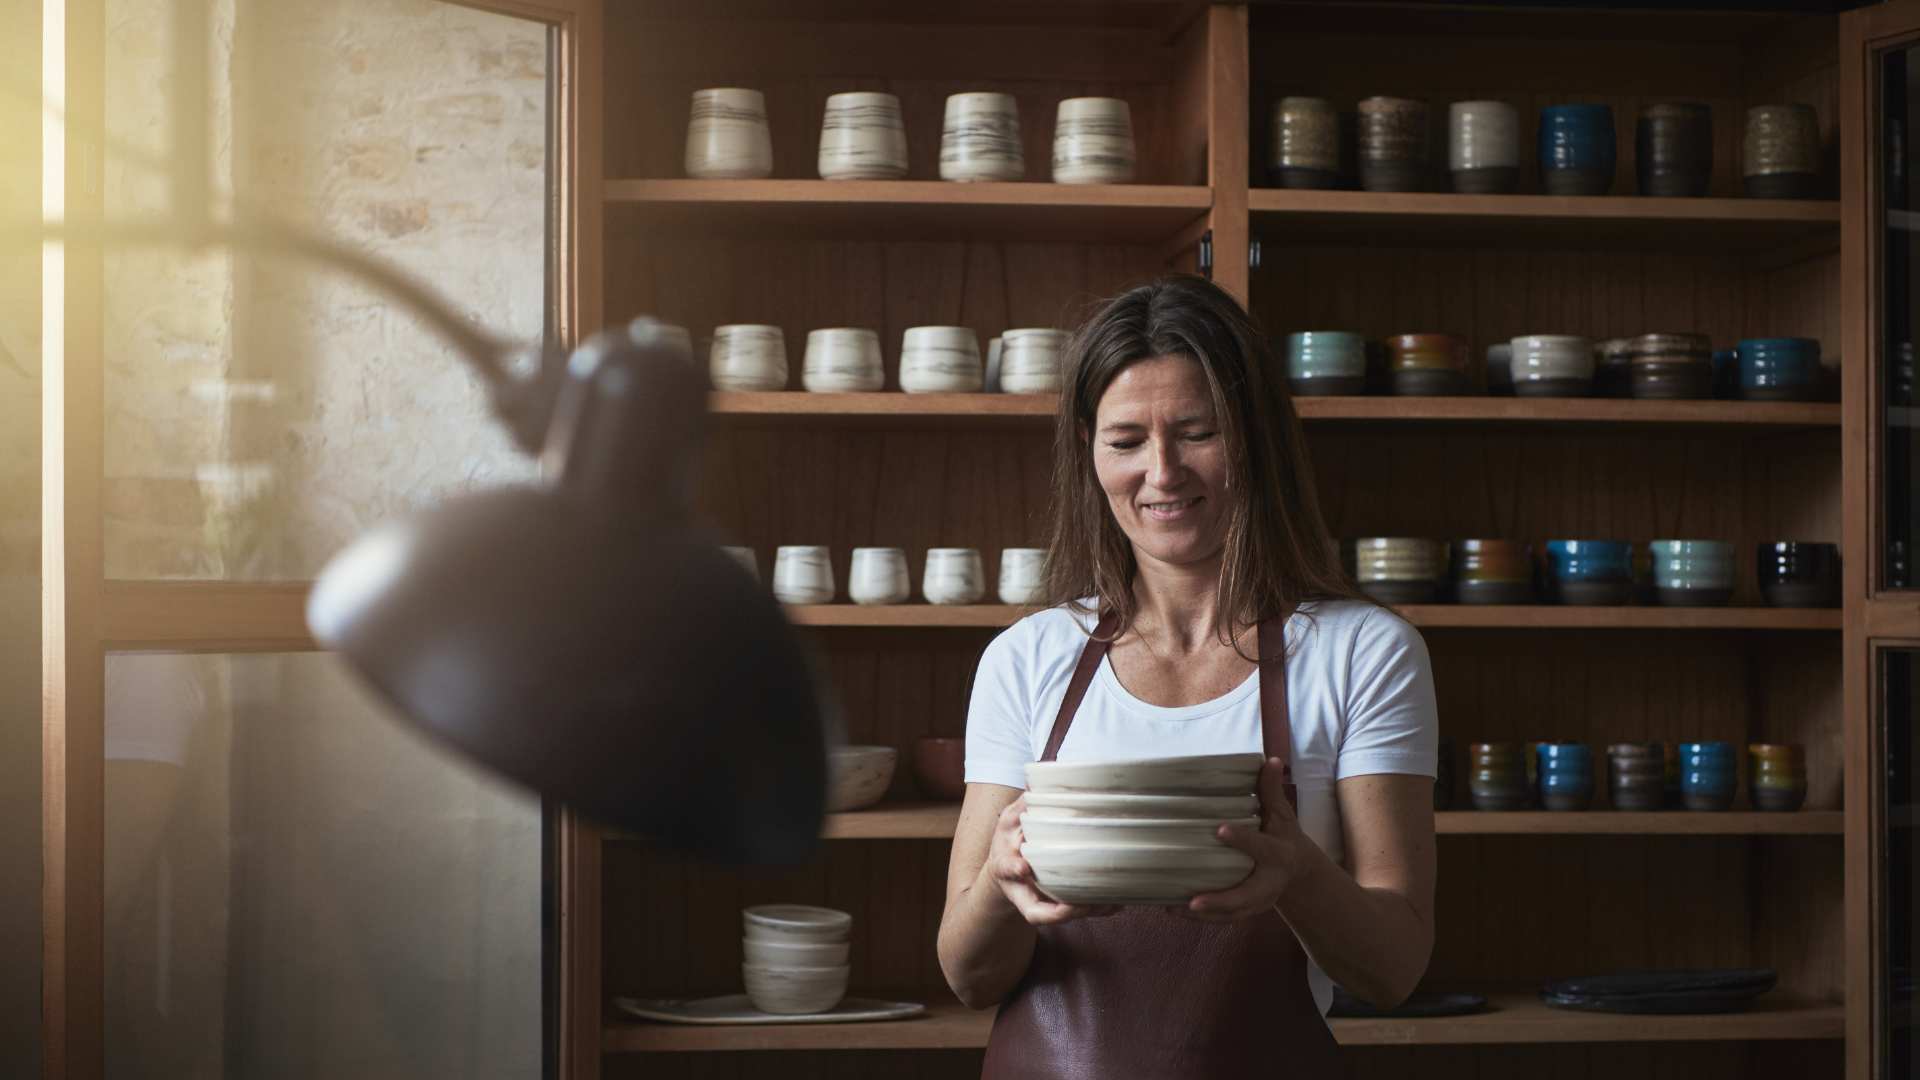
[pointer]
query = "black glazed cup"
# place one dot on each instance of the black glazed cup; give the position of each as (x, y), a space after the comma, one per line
(1796, 573)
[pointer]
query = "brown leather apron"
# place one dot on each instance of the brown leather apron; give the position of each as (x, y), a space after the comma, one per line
(1153, 994)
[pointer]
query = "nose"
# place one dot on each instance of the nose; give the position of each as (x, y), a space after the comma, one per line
(1165, 469)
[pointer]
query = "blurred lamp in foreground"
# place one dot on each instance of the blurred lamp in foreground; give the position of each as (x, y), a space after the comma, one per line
(580, 636)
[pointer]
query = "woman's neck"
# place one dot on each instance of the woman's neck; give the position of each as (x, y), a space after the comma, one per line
(1179, 605)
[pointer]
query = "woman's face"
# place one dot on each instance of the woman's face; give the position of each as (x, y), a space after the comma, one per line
(1159, 457)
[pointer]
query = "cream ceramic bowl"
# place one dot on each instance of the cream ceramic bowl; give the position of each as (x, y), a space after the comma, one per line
(1209, 774)
(1100, 874)
(796, 924)
(795, 991)
(1215, 808)
(1123, 832)
(780, 954)
(859, 775)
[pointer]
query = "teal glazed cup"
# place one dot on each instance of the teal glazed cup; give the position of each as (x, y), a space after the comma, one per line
(1692, 573)
(1325, 362)
(1709, 775)
(1576, 149)
(1590, 572)
(1779, 369)
(1566, 776)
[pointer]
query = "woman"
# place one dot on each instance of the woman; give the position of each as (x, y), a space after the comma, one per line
(1197, 607)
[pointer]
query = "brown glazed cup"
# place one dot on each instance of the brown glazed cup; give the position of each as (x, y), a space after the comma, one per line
(1394, 151)
(1492, 572)
(1423, 365)
(1781, 152)
(1305, 143)
(939, 767)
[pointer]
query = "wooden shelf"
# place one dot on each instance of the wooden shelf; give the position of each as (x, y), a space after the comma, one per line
(936, 821)
(1434, 616)
(883, 408)
(1544, 220)
(1517, 1017)
(916, 209)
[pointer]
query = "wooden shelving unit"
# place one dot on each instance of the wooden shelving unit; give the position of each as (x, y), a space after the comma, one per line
(1435, 616)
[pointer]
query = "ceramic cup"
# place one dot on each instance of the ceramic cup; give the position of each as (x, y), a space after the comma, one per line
(1708, 776)
(1777, 776)
(1670, 366)
(862, 138)
(1780, 155)
(746, 558)
(748, 356)
(878, 575)
(842, 359)
(980, 138)
(1500, 369)
(1023, 575)
(1637, 776)
(1673, 149)
(1590, 572)
(953, 576)
(727, 135)
(802, 575)
(1778, 369)
(1393, 142)
(1796, 573)
(1093, 142)
(1492, 572)
(939, 767)
(1399, 570)
(1692, 573)
(1613, 368)
(1566, 775)
(1426, 365)
(1552, 365)
(941, 359)
(1576, 149)
(1031, 360)
(1304, 151)
(1497, 776)
(1483, 147)
(1321, 362)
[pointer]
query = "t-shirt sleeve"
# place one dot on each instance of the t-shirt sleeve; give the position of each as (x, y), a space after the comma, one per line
(999, 734)
(1392, 719)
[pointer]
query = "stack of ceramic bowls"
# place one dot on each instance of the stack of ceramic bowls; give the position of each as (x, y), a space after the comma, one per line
(1552, 365)
(749, 357)
(1093, 142)
(1637, 776)
(1781, 152)
(1673, 149)
(1566, 775)
(940, 360)
(1692, 573)
(954, 576)
(1576, 149)
(842, 359)
(862, 138)
(727, 135)
(1500, 369)
(878, 575)
(1393, 141)
(795, 958)
(1399, 569)
(1483, 147)
(859, 775)
(1023, 575)
(1708, 775)
(1304, 151)
(1323, 362)
(1137, 832)
(1492, 572)
(1497, 776)
(1613, 367)
(1795, 573)
(1777, 776)
(1778, 369)
(980, 138)
(1672, 366)
(1590, 572)
(1426, 365)
(1031, 360)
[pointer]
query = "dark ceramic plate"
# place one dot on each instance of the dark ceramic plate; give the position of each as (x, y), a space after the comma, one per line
(1676, 992)
(1418, 1006)
(1655, 1004)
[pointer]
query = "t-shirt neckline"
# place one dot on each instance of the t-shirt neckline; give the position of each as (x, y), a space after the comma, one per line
(1111, 683)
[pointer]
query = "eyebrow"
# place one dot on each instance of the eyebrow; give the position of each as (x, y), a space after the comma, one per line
(1135, 425)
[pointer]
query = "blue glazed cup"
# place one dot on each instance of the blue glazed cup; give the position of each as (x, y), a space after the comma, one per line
(1778, 369)
(1576, 149)
(1566, 775)
(1590, 571)
(1692, 573)
(1709, 775)
(1326, 362)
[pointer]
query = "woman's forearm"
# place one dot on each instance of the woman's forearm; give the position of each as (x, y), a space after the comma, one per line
(985, 945)
(1370, 941)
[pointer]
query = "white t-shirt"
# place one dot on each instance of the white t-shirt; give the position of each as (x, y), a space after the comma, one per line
(1359, 697)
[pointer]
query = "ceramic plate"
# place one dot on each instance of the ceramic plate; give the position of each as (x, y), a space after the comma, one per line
(1079, 804)
(1211, 774)
(736, 1009)
(1082, 874)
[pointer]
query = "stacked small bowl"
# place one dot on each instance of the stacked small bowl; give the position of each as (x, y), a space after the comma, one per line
(1426, 365)
(1138, 832)
(1326, 362)
(1777, 776)
(1497, 776)
(1671, 366)
(1779, 369)
(1399, 569)
(1637, 776)
(1708, 777)
(1692, 573)
(1492, 572)
(1590, 571)
(795, 957)
(1552, 365)
(1566, 775)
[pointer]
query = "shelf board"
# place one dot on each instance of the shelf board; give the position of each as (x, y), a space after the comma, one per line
(1517, 1017)
(945, 410)
(1545, 220)
(1434, 616)
(936, 821)
(916, 209)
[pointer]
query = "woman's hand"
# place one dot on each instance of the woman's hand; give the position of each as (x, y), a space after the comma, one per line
(1276, 848)
(1014, 875)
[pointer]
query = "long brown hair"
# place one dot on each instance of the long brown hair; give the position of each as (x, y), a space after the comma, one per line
(1277, 552)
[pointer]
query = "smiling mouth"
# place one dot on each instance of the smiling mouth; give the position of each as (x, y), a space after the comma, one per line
(1170, 509)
